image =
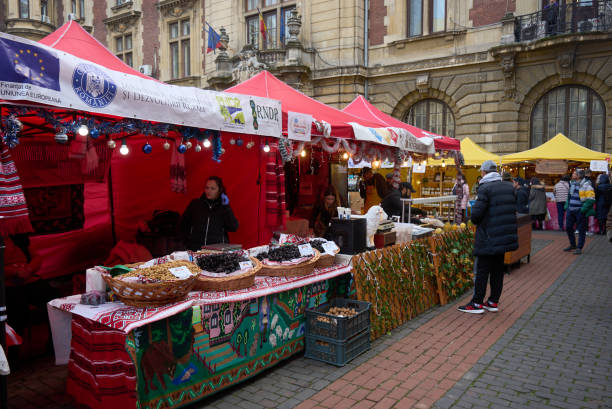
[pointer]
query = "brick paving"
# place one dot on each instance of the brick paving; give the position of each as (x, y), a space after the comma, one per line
(430, 359)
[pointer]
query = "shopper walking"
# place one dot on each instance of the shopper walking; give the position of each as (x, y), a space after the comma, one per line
(462, 191)
(579, 207)
(537, 204)
(494, 214)
(603, 199)
(561, 192)
(522, 195)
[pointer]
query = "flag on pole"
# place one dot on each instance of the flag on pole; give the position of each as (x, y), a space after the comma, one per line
(262, 26)
(214, 40)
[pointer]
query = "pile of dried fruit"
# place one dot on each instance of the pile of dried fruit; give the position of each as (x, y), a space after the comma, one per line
(285, 252)
(160, 272)
(221, 262)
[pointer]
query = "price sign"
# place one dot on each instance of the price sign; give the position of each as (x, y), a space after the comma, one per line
(180, 272)
(245, 265)
(330, 247)
(305, 250)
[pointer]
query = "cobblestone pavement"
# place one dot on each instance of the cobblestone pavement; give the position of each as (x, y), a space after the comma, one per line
(400, 367)
(558, 354)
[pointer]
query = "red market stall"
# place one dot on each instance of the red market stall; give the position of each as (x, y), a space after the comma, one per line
(361, 108)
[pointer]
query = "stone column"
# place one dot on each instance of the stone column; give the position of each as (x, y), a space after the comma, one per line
(293, 69)
(223, 75)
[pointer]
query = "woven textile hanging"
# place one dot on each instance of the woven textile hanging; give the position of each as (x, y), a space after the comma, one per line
(14, 217)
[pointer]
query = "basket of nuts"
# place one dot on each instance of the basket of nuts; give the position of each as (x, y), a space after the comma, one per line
(154, 285)
(338, 320)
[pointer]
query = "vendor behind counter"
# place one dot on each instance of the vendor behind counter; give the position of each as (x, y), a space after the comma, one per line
(208, 219)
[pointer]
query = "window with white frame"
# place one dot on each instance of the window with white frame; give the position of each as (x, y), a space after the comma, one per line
(275, 15)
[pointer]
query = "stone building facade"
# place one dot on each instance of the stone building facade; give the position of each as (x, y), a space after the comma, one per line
(492, 70)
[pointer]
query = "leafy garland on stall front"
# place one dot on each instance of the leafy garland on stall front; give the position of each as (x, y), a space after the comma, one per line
(402, 281)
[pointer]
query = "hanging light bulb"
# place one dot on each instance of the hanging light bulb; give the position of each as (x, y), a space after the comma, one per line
(198, 148)
(188, 144)
(266, 147)
(425, 163)
(83, 130)
(111, 144)
(206, 143)
(405, 164)
(345, 156)
(443, 164)
(124, 150)
(166, 145)
(302, 154)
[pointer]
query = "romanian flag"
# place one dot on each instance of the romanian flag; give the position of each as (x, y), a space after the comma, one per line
(262, 26)
(214, 40)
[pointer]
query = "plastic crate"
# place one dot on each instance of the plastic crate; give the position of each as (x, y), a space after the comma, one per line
(335, 328)
(337, 353)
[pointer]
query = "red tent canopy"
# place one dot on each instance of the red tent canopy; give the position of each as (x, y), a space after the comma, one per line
(267, 85)
(361, 108)
(73, 39)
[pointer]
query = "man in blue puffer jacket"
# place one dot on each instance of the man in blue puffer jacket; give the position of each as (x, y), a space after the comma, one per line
(494, 214)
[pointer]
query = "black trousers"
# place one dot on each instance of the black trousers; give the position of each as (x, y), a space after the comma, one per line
(489, 268)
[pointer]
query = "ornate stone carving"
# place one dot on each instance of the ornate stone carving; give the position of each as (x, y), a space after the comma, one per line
(248, 65)
(174, 8)
(122, 22)
(422, 83)
(294, 22)
(565, 64)
(508, 69)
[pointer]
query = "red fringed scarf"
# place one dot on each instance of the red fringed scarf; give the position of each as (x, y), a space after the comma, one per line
(178, 179)
(14, 218)
(275, 190)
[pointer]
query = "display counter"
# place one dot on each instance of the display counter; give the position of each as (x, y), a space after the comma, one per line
(170, 356)
(523, 222)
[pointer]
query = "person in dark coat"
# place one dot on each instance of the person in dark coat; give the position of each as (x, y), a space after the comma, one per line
(392, 203)
(494, 214)
(522, 196)
(551, 16)
(537, 204)
(324, 210)
(603, 201)
(208, 219)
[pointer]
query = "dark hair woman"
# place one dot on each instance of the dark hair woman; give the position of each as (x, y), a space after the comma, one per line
(537, 204)
(208, 219)
(323, 211)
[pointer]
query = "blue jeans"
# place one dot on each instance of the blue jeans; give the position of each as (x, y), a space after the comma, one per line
(577, 218)
(561, 214)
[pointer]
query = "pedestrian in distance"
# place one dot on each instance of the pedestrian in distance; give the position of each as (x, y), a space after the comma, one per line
(537, 204)
(603, 201)
(579, 207)
(561, 192)
(522, 195)
(494, 214)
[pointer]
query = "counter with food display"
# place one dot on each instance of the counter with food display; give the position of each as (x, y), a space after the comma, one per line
(175, 353)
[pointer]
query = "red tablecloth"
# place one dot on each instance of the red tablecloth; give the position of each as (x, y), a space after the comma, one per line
(553, 223)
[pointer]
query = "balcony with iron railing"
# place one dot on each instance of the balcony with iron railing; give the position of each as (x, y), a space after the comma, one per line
(573, 18)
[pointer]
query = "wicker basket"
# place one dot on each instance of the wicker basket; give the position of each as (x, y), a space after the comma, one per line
(150, 294)
(296, 270)
(327, 260)
(235, 282)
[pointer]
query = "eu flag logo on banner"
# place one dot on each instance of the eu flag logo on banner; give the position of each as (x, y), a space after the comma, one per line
(28, 64)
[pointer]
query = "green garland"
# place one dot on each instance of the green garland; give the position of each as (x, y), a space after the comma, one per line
(402, 281)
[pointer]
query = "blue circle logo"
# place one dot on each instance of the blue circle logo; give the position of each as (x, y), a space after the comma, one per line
(93, 86)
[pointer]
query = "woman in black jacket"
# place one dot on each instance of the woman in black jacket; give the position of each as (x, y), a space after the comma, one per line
(208, 219)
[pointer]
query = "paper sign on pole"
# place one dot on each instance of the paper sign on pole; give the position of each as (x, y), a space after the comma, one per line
(418, 168)
(599, 165)
(299, 126)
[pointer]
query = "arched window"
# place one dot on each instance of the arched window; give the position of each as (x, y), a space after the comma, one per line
(575, 111)
(432, 115)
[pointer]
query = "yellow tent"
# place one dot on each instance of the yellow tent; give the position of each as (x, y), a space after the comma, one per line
(560, 147)
(473, 155)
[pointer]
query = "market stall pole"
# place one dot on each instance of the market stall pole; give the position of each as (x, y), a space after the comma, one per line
(3, 378)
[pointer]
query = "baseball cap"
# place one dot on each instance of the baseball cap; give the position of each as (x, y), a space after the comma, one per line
(488, 166)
